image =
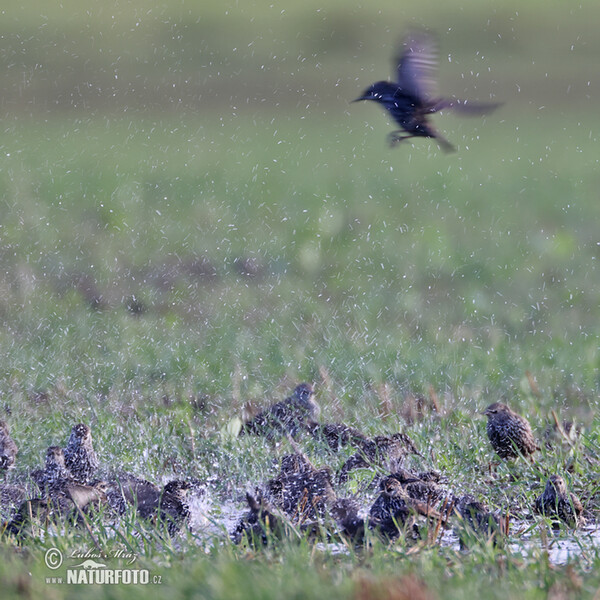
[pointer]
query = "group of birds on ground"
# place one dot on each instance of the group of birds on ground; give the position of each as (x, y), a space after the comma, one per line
(303, 493)
(412, 97)
(68, 489)
(300, 496)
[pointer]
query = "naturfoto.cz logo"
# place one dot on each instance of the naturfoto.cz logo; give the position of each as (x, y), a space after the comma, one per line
(92, 571)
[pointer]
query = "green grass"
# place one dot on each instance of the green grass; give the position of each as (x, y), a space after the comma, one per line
(193, 217)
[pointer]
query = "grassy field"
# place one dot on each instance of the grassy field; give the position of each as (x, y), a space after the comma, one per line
(194, 218)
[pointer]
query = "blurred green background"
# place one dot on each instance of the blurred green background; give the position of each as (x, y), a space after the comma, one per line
(191, 205)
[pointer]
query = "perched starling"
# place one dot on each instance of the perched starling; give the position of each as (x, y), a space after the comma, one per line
(476, 520)
(556, 501)
(509, 433)
(288, 416)
(300, 490)
(54, 470)
(337, 435)
(8, 448)
(80, 458)
(381, 451)
(412, 97)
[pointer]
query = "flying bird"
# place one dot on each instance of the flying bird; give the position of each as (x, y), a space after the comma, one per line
(413, 96)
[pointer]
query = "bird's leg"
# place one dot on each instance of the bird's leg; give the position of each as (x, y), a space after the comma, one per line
(444, 143)
(395, 137)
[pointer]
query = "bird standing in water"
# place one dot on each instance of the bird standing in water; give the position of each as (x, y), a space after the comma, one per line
(413, 97)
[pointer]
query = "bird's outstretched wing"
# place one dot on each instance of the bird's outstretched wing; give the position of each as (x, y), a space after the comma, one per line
(465, 107)
(416, 65)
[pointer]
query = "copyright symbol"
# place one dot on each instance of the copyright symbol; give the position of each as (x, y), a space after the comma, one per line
(53, 558)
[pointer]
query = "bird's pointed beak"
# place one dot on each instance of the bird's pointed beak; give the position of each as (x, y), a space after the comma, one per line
(358, 99)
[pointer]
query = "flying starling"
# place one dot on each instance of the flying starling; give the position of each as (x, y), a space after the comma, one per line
(288, 416)
(381, 451)
(510, 434)
(80, 458)
(412, 97)
(8, 448)
(556, 501)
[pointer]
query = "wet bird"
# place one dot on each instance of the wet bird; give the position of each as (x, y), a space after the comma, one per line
(8, 448)
(80, 458)
(288, 416)
(54, 470)
(259, 524)
(556, 501)
(509, 433)
(11, 497)
(337, 435)
(477, 522)
(412, 97)
(424, 487)
(126, 489)
(168, 507)
(300, 490)
(394, 509)
(31, 513)
(381, 451)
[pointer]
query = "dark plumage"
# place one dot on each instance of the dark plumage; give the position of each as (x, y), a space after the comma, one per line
(393, 507)
(381, 451)
(556, 501)
(300, 490)
(412, 97)
(54, 470)
(259, 523)
(337, 435)
(128, 489)
(288, 416)
(509, 433)
(8, 448)
(80, 458)
(168, 506)
(11, 496)
(424, 487)
(476, 521)
(31, 512)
